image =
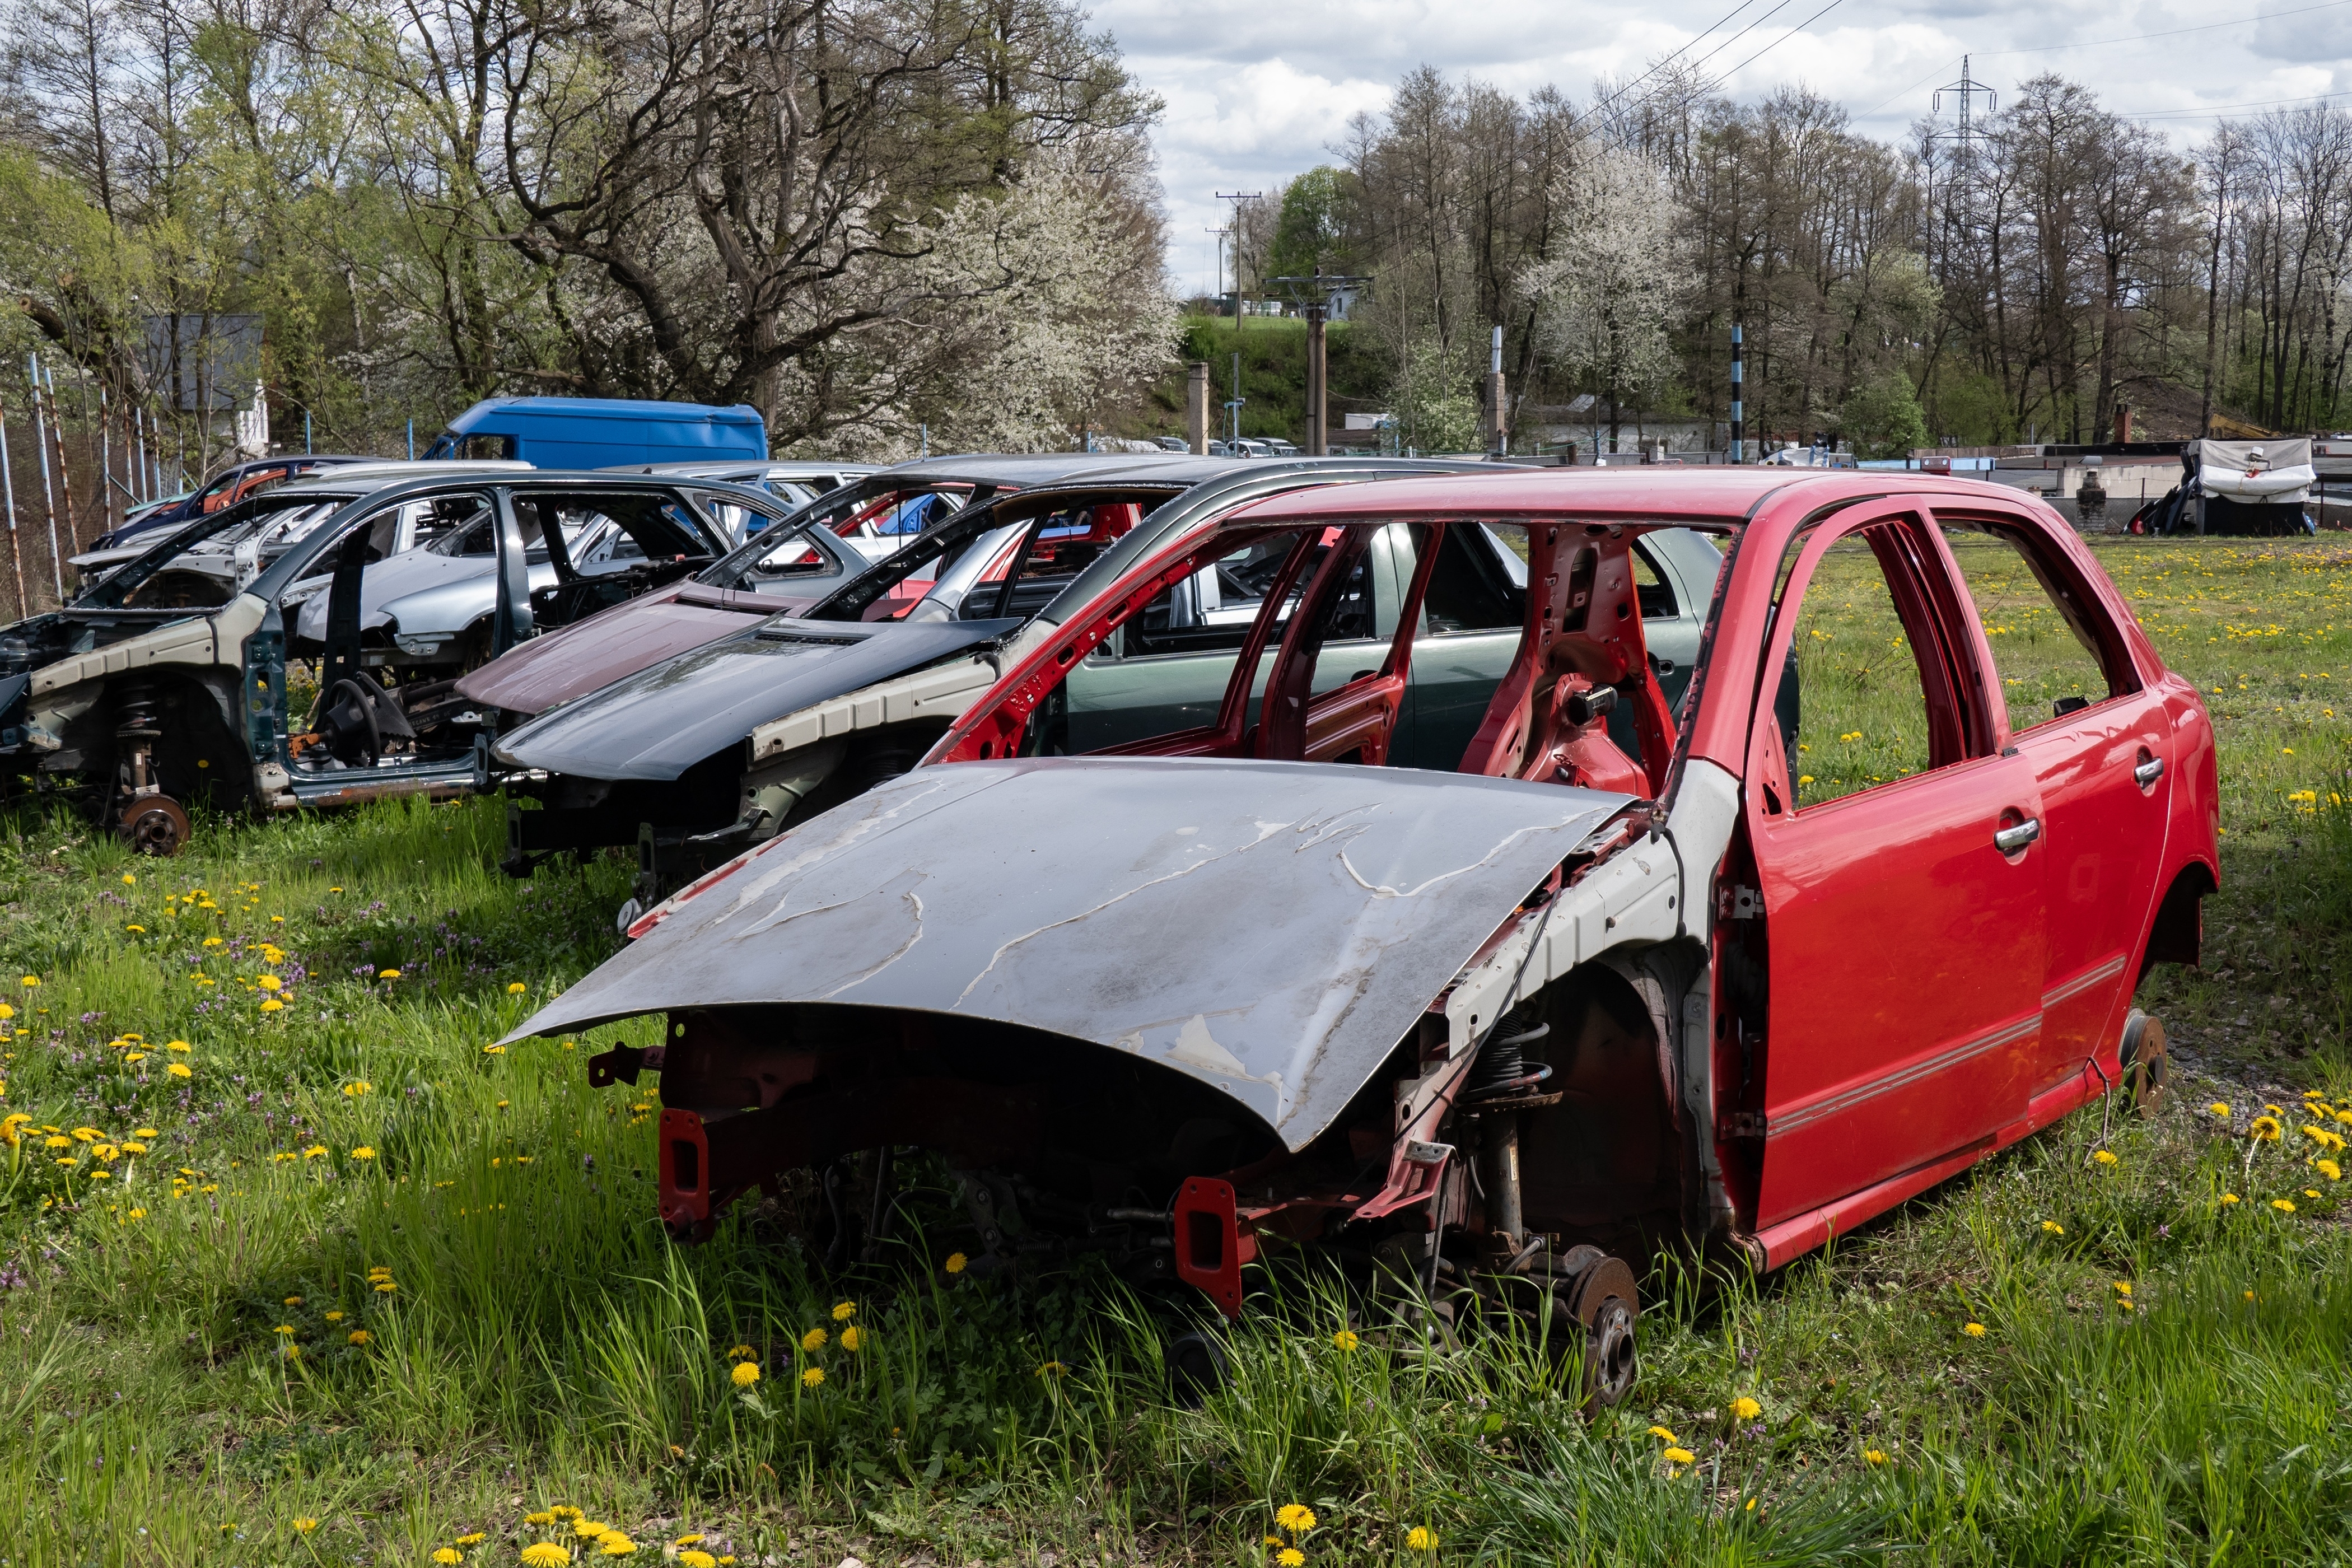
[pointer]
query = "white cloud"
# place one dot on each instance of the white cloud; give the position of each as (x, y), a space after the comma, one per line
(1258, 91)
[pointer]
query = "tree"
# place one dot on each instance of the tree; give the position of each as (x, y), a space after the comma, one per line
(1604, 305)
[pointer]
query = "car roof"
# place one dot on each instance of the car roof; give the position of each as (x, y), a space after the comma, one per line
(1028, 468)
(720, 467)
(1712, 492)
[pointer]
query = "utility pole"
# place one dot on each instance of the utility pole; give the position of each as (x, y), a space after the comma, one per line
(1498, 432)
(1234, 405)
(1312, 295)
(1196, 406)
(1738, 407)
(1237, 198)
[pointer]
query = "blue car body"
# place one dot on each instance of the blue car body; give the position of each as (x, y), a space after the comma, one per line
(600, 432)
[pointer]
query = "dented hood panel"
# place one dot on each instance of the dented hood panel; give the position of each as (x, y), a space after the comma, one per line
(1271, 929)
(571, 661)
(662, 720)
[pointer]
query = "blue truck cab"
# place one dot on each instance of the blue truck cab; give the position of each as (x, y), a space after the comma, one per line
(600, 432)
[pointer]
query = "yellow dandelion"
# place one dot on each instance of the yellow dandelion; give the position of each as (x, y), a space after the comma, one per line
(1974, 1330)
(356, 1087)
(1290, 1557)
(1662, 1435)
(563, 1510)
(2329, 1169)
(589, 1528)
(2104, 1156)
(387, 974)
(2283, 1205)
(843, 1311)
(1421, 1538)
(1679, 1457)
(545, 1554)
(746, 1374)
(334, 1317)
(1295, 1517)
(851, 1339)
(305, 1526)
(362, 1152)
(2053, 1228)
(516, 988)
(273, 1006)
(956, 1263)
(2229, 1200)
(697, 1560)
(540, 1521)
(140, 929)
(740, 1352)
(2264, 1129)
(179, 1070)
(269, 983)
(814, 1339)
(360, 1336)
(447, 1555)
(614, 1544)
(1874, 1456)
(32, 980)
(2219, 1108)
(1346, 1339)
(1746, 1409)
(812, 1377)
(182, 1046)
(386, 1287)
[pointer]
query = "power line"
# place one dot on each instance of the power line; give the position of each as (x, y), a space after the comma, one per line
(1792, 33)
(2170, 31)
(2127, 38)
(1694, 41)
(2219, 109)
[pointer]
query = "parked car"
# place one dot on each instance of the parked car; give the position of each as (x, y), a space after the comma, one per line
(429, 600)
(163, 684)
(696, 756)
(1488, 1029)
(795, 483)
(238, 482)
(214, 554)
(1172, 443)
(603, 432)
(824, 546)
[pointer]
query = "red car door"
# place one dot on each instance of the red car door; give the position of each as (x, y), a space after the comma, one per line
(2098, 739)
(1901, 895)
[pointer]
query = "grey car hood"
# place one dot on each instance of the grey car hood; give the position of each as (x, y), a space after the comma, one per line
(663, 720)
(1270, 929)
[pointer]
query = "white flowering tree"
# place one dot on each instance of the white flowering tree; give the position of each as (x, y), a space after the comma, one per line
(1617, 282)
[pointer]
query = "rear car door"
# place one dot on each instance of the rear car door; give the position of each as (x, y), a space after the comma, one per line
(2098, 741)
(1900, 881)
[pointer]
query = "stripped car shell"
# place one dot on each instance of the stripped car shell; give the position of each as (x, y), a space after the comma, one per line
(1491, 1033)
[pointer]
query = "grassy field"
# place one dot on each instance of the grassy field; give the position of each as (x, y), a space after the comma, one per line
(331, 1280)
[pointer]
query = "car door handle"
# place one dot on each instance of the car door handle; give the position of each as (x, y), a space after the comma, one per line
(2010, 840)
(2148, 771)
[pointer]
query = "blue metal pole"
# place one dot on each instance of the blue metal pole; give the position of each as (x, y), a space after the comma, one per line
(412, 440)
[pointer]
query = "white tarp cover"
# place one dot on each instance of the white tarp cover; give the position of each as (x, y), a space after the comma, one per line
(2257, 473)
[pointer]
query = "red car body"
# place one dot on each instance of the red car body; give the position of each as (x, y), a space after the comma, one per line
(1770, 1018)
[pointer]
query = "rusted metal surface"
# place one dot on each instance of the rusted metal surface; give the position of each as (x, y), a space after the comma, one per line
(1272, 930)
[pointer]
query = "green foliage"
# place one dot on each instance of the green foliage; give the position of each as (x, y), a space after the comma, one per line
(1311, 228)
(1882, 419)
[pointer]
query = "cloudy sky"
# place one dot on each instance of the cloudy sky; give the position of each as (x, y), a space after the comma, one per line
(1258, 91)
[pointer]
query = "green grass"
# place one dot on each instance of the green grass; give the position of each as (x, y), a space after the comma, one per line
(545, 1344)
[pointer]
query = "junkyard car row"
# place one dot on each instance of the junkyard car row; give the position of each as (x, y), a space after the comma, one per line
(1203, 860)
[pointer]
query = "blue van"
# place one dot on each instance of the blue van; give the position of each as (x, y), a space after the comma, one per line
(600, 432)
